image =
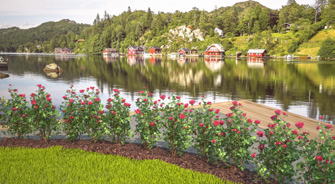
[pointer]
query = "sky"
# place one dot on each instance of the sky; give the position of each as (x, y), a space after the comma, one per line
(31, 13)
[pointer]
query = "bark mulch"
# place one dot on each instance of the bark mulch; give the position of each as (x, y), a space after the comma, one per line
(136, 151)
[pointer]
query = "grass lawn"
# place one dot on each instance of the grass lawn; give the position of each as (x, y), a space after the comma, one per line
(59, 165)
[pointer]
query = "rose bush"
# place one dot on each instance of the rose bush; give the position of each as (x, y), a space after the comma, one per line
(208, 132)
(278, 150)
(16, 114)
(318, 155)
(238, 136)
(148, 119)
(177, 125)
(118, 119)
(44, 116)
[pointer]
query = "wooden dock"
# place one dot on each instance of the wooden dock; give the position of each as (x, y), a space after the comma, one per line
(263, 113)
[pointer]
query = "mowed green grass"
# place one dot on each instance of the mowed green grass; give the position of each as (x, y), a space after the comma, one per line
(60, 165)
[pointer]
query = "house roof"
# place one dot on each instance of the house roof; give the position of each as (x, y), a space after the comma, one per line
(155, 47)
(184, 49)
(256, 50)
(218, 46)
(111, 50)
(135, 47)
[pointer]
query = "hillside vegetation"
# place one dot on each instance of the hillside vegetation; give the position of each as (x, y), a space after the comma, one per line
(243, 26)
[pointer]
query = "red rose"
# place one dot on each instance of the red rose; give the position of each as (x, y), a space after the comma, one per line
(49, 99)
(299, 125)
(210, 110)
(178, 97)
(321, 117)
(253, 155)
(208, 103)
(295, 132)
(101, 112)
(244, 114)
(155, 102)
(260, 133)
(261, 147)
(284, 145)
(152, 124)
(221, 122)
(123, 100)
(192, 102)
(149, 94)
(300, 137)
(319, 158)
(170, 118)
(257, 122)
(97, 99)
(162, 97)
(90, 103)
(47, 96)
(186, 105)
(277, 112)
(216, 123)
(249, 121)
(213, 141)
(201, 124)
(235, 103)
(274, 117)
(23, 115)
(36, 107)
(92, 87)
(217, 111)
(22, 95)
(182, 116)
(318, 127)
(116, 90)
(328, 126)
(64, 97)
(81, 91)
(288, 125)
(33, 95)
(39, 85)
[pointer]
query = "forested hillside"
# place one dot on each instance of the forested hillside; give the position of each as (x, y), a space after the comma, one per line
(41, 38)
(240, 27)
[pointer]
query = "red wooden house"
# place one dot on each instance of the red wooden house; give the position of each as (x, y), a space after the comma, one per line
(184, 52)
(257, 53)
(110, 52)
(155, 50)
(215, 50)
(135, 50)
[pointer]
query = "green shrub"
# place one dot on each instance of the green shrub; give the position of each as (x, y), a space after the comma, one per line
(327, 49)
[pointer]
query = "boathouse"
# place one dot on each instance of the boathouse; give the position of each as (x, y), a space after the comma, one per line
(194, 52)
(257, 53)
(63, 51)
(134, 50)
(155, 50)
(215, 50)
(110, 52)
(184, 52)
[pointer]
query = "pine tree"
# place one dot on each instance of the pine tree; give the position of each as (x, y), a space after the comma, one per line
(289, 2)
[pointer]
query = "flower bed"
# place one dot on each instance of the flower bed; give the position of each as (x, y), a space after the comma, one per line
(181, 126)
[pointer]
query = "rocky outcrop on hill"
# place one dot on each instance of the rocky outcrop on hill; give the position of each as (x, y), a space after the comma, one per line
(186, 33)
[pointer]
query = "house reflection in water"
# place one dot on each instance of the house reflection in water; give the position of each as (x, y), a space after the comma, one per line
(63, 57)
(214, 63)
(135, 59)
(155, 60)
(110, 59)
(183, 60)
(255, 62)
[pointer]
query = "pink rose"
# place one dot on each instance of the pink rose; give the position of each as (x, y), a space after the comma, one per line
(162, 97)
(253, 155)
(213, 141)
(182, 116)
(192, 102)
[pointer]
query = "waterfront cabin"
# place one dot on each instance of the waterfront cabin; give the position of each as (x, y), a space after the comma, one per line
(135, 50)
(155, 50)
(257, 53)
(63, 51)
(215, 50)
(110, 52)
(184, 52)
(194, 52)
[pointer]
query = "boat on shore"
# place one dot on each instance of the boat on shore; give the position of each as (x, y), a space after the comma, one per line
(3, 64)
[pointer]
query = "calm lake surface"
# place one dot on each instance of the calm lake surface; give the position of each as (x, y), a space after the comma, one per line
(302, 87)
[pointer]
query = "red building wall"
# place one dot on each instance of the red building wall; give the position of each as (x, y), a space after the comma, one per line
(256, 54)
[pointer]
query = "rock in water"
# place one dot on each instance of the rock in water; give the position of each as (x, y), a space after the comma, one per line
(2, 75)
(53, 67)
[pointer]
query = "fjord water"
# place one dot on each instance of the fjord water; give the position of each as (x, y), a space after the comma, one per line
(305, 87)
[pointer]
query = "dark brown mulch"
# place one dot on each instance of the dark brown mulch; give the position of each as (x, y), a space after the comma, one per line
(136, 151)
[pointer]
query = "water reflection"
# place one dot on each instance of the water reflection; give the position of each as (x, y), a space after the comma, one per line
(304, 88)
